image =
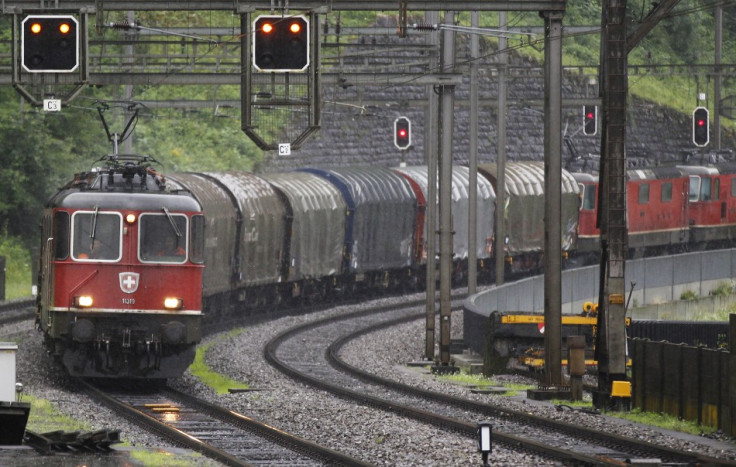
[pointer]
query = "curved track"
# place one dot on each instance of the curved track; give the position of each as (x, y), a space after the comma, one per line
(309, 353)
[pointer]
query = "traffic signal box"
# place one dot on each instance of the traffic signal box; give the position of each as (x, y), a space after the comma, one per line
(402, 133)
(49, 44)
(281, 44)
(701, 127)
(590, 120)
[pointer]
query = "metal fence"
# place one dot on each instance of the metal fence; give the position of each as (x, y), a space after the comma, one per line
(657, 281)
(691, 383)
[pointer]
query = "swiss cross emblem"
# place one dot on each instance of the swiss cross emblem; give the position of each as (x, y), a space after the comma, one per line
(129, 281)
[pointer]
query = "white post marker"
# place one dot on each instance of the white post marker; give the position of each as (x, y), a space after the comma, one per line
(284, 149)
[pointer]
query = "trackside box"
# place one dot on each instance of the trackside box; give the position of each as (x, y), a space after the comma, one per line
(7, 369)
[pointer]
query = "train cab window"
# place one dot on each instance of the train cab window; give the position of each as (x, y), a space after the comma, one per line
(694, 192)
(61, 235)
(705, 189)
(644, 193)
(666, 196)
(196, 244)
(162, 238)
(96, 236)
(589, 198)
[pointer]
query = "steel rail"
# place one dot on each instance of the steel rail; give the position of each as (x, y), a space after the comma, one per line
(619, 442)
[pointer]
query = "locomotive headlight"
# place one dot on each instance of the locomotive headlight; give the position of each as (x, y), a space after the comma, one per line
(83, 301)
(171, 303)
(130, 218)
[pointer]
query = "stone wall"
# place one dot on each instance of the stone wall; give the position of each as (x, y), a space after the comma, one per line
(357, 123)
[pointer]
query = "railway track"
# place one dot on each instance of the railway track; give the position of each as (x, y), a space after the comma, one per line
(13, 311)
(216, 432)
(308, 355)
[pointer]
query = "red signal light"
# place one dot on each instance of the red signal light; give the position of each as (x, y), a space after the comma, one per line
(64, 28)
(402, 133)
(701, 132)
(590, 120)
(295, 28)
(36, 28)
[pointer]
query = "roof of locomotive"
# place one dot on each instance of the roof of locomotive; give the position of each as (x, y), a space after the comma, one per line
(654, 173)
(128, 182)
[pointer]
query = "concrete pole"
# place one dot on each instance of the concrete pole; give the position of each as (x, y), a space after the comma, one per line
(500, 229)
(431, 143)
(718, 78)
(553, 198)
(445, 181)
(473, 162)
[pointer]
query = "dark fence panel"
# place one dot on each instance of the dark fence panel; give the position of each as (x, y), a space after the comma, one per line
(712, 334)
(693, 383)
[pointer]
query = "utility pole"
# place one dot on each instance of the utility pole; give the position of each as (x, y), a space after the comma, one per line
(553, 198)
(611, 337)
(431, 142)
(500, 228)
(473, 161)
(445, 181)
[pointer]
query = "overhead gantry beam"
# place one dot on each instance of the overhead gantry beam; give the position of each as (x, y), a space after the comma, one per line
(17, 6)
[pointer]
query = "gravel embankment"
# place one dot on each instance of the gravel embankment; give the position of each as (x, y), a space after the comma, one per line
(376, 437)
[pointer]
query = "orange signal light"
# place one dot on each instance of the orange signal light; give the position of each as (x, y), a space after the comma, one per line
(267, 28)
(295, 28)
(36, 28)
(64, 28)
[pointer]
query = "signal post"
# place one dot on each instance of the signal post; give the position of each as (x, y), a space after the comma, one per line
(49, 55)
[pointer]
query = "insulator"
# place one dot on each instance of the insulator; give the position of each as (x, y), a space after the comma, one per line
(424, 27)
(122, 25)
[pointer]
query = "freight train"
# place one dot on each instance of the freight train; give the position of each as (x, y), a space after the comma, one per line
(133, 263)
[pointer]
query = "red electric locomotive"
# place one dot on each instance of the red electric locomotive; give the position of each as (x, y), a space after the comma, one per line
(712, 205)
(656, 208)
(121, 273)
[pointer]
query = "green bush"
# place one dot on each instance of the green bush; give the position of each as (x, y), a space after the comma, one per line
(688, 295)
(723, 289)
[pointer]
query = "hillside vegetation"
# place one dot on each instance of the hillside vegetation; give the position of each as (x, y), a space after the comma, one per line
(42, 150)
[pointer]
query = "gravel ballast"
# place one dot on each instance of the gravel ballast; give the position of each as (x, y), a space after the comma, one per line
(376, 437)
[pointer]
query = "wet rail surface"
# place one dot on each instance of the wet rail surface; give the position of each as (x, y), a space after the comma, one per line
(221, 434)
(309, 353)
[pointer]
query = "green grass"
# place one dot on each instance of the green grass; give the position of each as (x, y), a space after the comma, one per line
(668, 422)
(169, 459)
(661, 420)
(217, 381)
(45, 418)
(17, 267)
(481, 381)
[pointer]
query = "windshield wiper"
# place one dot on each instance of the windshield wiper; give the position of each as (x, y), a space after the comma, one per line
(93, 229)
(171, 221)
